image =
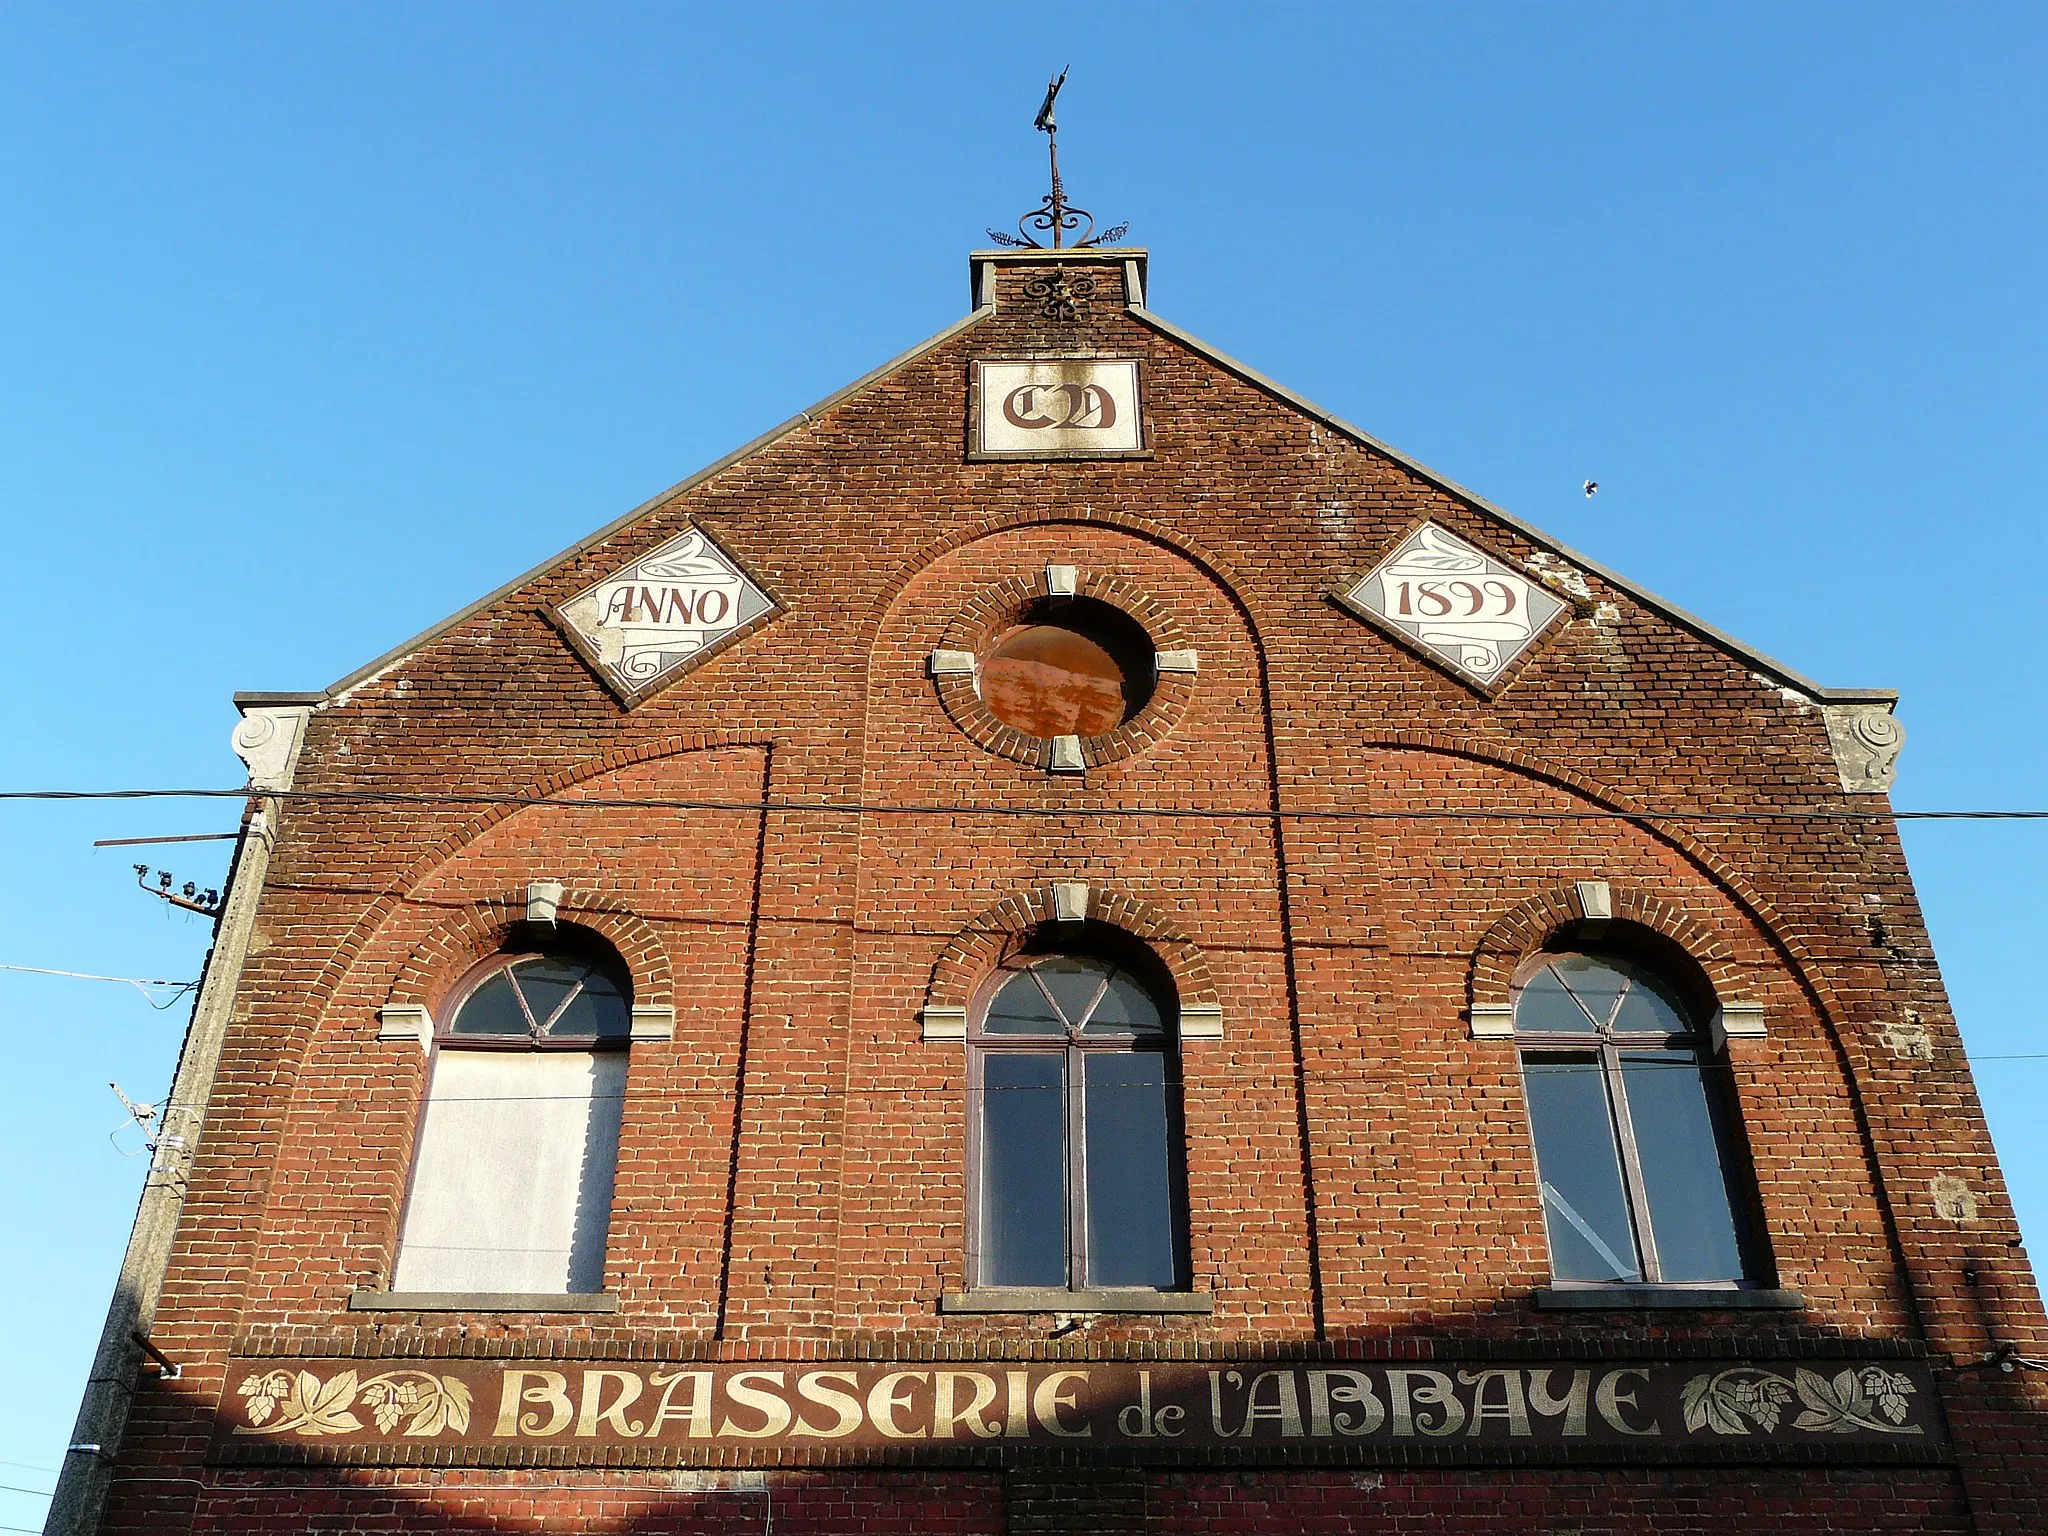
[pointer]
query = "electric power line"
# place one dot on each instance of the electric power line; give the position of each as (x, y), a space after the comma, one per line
(913, 808)
(140, 984)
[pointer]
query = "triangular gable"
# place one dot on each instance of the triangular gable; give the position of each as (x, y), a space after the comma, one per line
(1134, 261)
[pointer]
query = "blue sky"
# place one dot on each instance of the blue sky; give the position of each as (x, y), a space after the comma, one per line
(321, 321)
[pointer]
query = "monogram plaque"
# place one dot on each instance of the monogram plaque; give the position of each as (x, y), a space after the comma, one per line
(1058, 408)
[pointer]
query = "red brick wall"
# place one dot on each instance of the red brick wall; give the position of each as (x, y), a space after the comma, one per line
(1671, 1503)
(791, 1168)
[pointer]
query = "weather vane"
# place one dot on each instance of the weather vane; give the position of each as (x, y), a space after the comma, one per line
(1056, 213)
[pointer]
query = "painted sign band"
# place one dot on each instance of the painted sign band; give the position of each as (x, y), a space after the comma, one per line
(350, 1409)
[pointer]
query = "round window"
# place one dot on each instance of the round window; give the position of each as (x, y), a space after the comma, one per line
(1068, 667)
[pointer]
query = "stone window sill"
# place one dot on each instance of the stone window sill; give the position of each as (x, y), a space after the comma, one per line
(1048, 1299)
(1659, 1298)
(481, 1301)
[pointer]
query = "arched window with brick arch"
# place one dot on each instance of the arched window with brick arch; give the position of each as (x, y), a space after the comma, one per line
(1638, 1152)
(519, 1137)
(1075, 1145)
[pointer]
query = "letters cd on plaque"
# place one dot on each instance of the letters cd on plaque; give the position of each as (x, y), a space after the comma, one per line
(1470, 611)
(1058, 408)
(644, 625)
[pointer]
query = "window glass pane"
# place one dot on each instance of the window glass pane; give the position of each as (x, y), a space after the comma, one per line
(1021, 1009)
(1543, 1004)
(1126, 1008)
(1692, 1218)
(1130, 1180)
(546, 985)
(512, 1187)
(1652, 1006)
(599, 1011)
(491, 1010)
(1580, 1166)
(1023, 1169)
(1596, 983)
(1073, 983)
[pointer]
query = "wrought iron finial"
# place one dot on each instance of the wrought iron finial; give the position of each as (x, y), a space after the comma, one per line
(1055, 213)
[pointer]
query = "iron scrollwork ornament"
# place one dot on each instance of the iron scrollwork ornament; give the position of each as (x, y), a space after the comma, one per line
(1059, 296)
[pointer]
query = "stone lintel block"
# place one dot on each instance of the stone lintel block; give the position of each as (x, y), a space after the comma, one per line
(1739, 1021)
(1593, 900)
(543, 901)
(1066, 755)
(1069, 901)
(654, 1021)
(406, 1021)
(1493, 1021)
(944, 1023)
(1201, 1021)
(1062, 580)
(1173, 661)
(951, 663)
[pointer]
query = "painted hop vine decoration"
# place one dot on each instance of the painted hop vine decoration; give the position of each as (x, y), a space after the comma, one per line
(1736, 1401)
(299, 1402)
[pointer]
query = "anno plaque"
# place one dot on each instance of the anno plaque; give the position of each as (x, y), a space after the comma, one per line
(1058, 408)
(1459, 604)
(643, 625)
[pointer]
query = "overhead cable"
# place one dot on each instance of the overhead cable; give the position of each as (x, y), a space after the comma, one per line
(140, 984)
(921, 808)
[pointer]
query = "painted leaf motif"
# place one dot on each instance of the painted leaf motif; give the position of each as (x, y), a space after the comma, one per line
(455, 1395)
(1710, 1404)
(431, 1416)
(259, 1406)
(326, 1411)
(1725, 1419)
(1830, 1405)
(1697, 1402)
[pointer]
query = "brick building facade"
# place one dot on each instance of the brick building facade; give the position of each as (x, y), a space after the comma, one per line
(1135, 960)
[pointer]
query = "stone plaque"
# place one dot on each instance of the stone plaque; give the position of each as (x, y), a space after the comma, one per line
(603, 1411)
(1058, 408)
(1472, 612)
(664, 612)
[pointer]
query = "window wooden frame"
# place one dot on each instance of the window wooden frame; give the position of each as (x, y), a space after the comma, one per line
(1075, 1047)
(536, 1037)
(1607, 1046)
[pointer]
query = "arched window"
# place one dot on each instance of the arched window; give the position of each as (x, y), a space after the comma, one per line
(1074, 1139)
(1635, 1144)
(512, 1179)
